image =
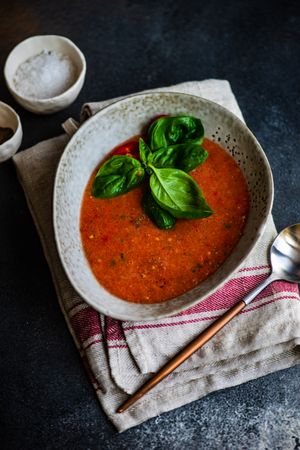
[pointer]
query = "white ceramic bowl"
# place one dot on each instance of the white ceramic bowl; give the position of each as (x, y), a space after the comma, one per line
(10, 119)
(118, 122)
(33, 46)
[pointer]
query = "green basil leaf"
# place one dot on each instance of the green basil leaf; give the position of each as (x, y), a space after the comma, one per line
(167, 131)
(181, 156)
(192, 156)
(177, 192)
(117, 176)
(161, 218)
(166, 156)
(145, 151)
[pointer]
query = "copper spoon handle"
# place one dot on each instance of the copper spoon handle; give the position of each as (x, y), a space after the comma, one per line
(197, 343)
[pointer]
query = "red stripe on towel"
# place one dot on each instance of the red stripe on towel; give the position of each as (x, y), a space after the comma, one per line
(235, 290)
(114, 330)
(248, 269)
(201, 319)
(86, 323)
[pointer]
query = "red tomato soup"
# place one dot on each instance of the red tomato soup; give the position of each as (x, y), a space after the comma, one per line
(138, 262)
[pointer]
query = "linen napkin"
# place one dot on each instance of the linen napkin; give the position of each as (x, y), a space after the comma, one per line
(120, 356)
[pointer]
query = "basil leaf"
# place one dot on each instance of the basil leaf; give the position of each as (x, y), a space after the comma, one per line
(191, 157)
(181, 156)
(145, 151)
(167, 131)
(161, 218)
(166, 156)
(177, 192)
(117, 176)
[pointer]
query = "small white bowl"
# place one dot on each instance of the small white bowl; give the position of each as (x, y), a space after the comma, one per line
(33, 46)
(10, 119)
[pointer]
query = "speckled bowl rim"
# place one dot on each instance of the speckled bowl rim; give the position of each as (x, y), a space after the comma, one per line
(64, 94)
(259, 231)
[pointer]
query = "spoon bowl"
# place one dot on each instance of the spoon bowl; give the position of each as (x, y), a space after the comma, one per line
(285, 254)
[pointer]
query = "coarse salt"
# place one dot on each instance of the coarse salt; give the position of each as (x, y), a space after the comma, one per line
(45, 75)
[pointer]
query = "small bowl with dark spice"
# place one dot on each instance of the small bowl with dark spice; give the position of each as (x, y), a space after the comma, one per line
(45, 73)
(10, 132)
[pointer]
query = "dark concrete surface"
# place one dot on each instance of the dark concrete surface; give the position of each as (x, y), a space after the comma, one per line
(46, 401)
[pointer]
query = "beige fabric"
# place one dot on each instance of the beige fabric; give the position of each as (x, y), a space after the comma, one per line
(121, 356)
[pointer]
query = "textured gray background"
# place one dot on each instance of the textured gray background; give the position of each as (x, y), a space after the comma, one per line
(46, 400)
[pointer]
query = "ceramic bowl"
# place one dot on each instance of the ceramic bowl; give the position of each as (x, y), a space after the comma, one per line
(113, 125)
(10, 119)
(33, 46)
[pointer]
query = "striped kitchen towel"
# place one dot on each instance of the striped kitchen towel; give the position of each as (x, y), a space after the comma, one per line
(120, 356)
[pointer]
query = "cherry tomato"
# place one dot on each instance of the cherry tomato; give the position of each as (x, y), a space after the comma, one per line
(131, 148)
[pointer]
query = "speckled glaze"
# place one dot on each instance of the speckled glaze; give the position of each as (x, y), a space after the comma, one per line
(10, 119)
(33, 46)
(118, 122)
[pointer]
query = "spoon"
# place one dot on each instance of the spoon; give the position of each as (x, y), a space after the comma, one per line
(285, 264)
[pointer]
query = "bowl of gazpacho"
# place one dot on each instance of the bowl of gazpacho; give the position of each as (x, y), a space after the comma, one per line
(158, 199)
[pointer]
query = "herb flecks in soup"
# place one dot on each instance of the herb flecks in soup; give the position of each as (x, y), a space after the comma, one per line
(135, 260)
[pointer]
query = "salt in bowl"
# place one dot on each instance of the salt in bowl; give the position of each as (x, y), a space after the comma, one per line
(37, 45)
